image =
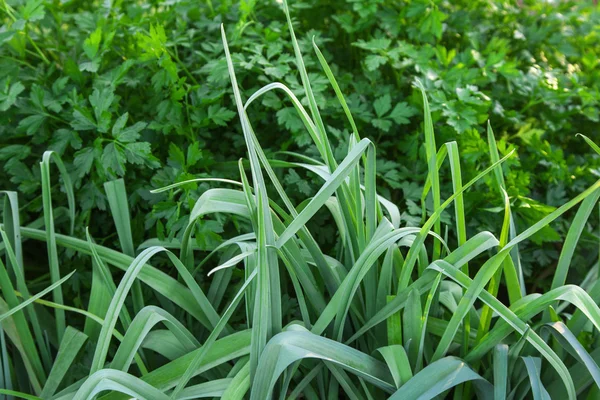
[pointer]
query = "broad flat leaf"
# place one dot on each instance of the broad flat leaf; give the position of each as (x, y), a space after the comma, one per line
(527, 133)
(224, 350)
(90, 66)
(112, 380)
(569, 342)
(9, 98)
(402, 112)
(119, 124)
(153, 44)
(33, 10)
(141, 154)
(63, 138)
(194, 154)
(127, 134)
(382, 124)
(101, 100)
(373, 44)
(374, 61)
(83, 161)
(157, 280)
(140, 327)
(32, 124)
(397, 361)
(18, 151)
(460, 117)
(591, 143)
(466, 95)
(382, 105)
(7, 35)
(92, 43)
(288, 117)
(501, 372)
(114, 158)
(176, 156)
(534, 366)
(72, 342)
(82, 120)
(440, 376)
(220, 115)
(213, 388)
(432, 23)
(288, 347)
(47, 158)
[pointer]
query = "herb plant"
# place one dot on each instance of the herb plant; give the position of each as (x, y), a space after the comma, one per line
(140, 91)
(388, 310)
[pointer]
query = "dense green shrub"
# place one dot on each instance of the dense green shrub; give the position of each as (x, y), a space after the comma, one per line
(140, 90)
(388, 311)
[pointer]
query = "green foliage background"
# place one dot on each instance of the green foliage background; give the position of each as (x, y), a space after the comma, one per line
(140, 90)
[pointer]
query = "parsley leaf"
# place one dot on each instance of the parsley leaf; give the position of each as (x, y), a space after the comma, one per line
(402, 112)
(382, 105)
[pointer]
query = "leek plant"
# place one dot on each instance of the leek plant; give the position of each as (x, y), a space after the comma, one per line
(392, 311)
